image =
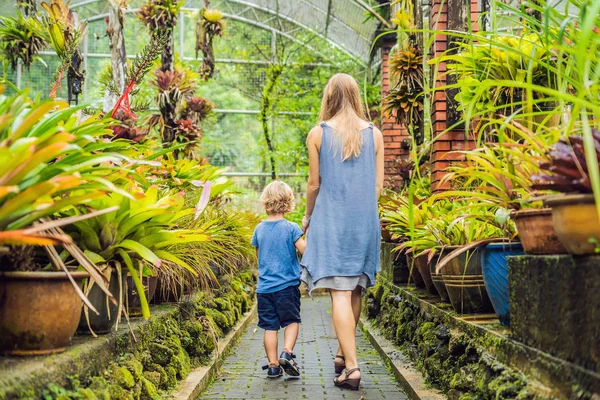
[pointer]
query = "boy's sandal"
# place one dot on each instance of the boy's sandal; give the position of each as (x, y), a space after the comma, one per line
(289, 365)
(274, 370)
(348, 383)
(339, 367)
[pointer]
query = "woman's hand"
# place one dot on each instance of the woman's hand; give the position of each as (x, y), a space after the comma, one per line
(305, 223)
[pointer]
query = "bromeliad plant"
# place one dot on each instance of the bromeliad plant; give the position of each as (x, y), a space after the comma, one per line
(141, 233)
(567, 169)
(49, 164)
(22, 38)
(209, 25)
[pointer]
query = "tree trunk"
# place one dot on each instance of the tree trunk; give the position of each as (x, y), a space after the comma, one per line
(168, 52)
(118, 55)
(273, 75)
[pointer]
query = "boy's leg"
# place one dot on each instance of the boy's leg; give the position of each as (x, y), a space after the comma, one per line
(269, 321)
(271, 347)
(290, 335)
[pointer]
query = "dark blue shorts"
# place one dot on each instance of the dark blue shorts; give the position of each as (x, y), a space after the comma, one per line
(279, 309)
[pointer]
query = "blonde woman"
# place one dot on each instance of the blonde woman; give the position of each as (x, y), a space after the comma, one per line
(345, 180)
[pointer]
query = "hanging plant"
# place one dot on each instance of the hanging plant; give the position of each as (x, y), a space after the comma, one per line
(65, 36)
(21, 38)
(407, 66)
(405, 104)
(209, 24)
(160, 16)
(197, 109)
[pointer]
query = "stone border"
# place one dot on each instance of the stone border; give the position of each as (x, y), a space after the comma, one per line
(200, 378)
(409, 378)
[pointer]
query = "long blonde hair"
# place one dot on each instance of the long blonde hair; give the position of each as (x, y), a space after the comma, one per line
(341, 99)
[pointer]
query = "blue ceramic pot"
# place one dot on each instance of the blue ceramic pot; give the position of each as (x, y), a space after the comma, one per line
(495, 275)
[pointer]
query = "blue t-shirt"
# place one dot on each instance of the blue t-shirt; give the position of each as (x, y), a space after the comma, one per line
(278, 265)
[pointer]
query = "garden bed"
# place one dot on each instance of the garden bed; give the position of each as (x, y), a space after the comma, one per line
(177, 338)
(471, 356)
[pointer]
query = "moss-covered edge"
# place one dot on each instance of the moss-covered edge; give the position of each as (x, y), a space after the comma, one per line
(459, 362)
(164, 352)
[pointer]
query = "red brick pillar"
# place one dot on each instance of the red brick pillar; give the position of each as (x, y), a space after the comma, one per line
(393, 133)
(447, 142)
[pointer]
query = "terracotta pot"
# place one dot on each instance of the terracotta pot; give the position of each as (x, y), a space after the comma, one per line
(537, 232)
(414, 274)
(400, 269)
(107, 318)
(423, 267)
(463, 278)
(39, 312)
(575, 221)
(133, 300)
(438, 279)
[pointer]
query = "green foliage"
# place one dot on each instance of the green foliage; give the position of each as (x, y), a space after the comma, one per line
(22, 39)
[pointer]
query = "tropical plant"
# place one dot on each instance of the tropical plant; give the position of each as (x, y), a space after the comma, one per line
(65, 35)
(208, 25)
(22, 38)
(160, 17)
(407, 67)
(141, 232)
(179, 109)
(567, 167)
(405, 104)
(49, 163)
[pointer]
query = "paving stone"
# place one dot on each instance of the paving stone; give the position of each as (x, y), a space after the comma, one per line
(241, 376)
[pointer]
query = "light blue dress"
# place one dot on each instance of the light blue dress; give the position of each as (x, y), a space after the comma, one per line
(343, 240)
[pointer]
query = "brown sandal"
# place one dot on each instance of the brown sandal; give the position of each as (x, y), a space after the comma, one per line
(348, 383)
(339, 367)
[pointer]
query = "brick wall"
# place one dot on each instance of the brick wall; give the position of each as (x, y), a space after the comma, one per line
(393, 134)
(446, 142)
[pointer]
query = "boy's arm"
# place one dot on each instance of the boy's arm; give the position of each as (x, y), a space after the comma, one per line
(300, 245)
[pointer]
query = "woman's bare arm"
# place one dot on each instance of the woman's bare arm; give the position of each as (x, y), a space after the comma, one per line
(313, 143)
(379, 161)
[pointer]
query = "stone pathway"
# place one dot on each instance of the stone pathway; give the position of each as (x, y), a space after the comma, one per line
(241, 376)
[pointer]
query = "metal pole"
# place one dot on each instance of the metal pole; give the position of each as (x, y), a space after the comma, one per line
(181, 33)
(85, 65)
(19, 74)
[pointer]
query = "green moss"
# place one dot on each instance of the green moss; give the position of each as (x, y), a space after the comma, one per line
(122, 377)
(117, 392)
(149, 391)
(161, 354)
(134, 366)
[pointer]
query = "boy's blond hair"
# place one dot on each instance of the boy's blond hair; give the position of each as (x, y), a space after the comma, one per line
(277, 198)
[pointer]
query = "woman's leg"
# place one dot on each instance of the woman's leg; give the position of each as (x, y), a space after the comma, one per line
(356, 302)
(344, 323)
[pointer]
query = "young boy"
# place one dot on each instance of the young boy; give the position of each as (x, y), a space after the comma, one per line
(276, 241)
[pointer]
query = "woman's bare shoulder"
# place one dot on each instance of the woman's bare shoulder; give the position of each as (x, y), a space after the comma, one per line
(315, 134)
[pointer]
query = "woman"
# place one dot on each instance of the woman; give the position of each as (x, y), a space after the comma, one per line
(345, 179)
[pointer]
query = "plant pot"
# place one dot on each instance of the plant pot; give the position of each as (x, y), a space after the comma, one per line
(423, 268)
(463, 278)
(414, 274)
(133, 300)
(39, 312)
(107, 318)
(537, 232)
(438, 279)
(495, 275)
(575, 221)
